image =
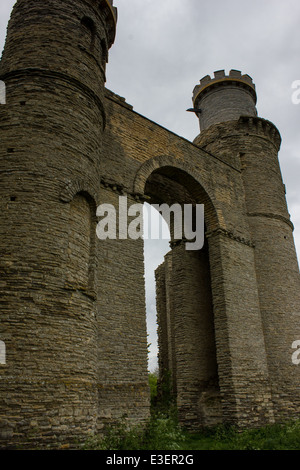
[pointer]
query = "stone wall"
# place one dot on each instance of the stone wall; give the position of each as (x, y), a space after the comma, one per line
(122, 335)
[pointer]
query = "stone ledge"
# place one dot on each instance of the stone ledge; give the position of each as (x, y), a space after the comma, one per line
(271, 216)
(231, 235)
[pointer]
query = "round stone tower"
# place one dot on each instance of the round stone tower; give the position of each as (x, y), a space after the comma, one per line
(53, 66)
(231, 130)
(224, 98)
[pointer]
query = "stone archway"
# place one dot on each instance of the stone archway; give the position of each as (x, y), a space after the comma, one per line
(211, 328)
(186, 335)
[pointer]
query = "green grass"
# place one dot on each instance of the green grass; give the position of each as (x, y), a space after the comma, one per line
(273, 437)
(162, 432)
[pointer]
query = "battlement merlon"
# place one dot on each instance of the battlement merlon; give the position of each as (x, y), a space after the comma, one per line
(235, 77)
(111, 16)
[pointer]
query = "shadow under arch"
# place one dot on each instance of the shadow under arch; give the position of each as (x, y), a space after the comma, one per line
(185, 313)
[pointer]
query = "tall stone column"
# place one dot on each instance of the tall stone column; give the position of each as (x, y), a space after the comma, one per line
(53, 66)
(187, 348)
(231, 130)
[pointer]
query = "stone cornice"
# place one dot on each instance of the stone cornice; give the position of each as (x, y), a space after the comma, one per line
(272, 216)
(262, 128)
(226, 233)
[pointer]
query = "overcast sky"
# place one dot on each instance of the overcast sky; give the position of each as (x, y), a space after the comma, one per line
(164, 47)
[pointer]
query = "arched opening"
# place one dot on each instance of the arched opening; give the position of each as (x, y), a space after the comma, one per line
(185, 317)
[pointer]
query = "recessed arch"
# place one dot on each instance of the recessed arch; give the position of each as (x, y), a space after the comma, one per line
(81, 249)
(73, 187)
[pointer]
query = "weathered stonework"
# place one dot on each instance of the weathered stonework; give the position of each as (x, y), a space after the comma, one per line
(73, 323)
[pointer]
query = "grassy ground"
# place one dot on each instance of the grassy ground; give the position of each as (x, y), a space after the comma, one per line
(163, 433)
(275, 437)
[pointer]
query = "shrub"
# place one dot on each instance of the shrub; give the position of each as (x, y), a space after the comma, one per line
(161, 432)
(117, 436)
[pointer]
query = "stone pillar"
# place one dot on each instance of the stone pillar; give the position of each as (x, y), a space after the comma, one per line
(241, 356)
(275, 257)
(53, 66)
(122, 342)
(186, 335)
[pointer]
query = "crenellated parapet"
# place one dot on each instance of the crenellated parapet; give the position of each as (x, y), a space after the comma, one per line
(235, 77)
(245, 126)
(262, 128)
